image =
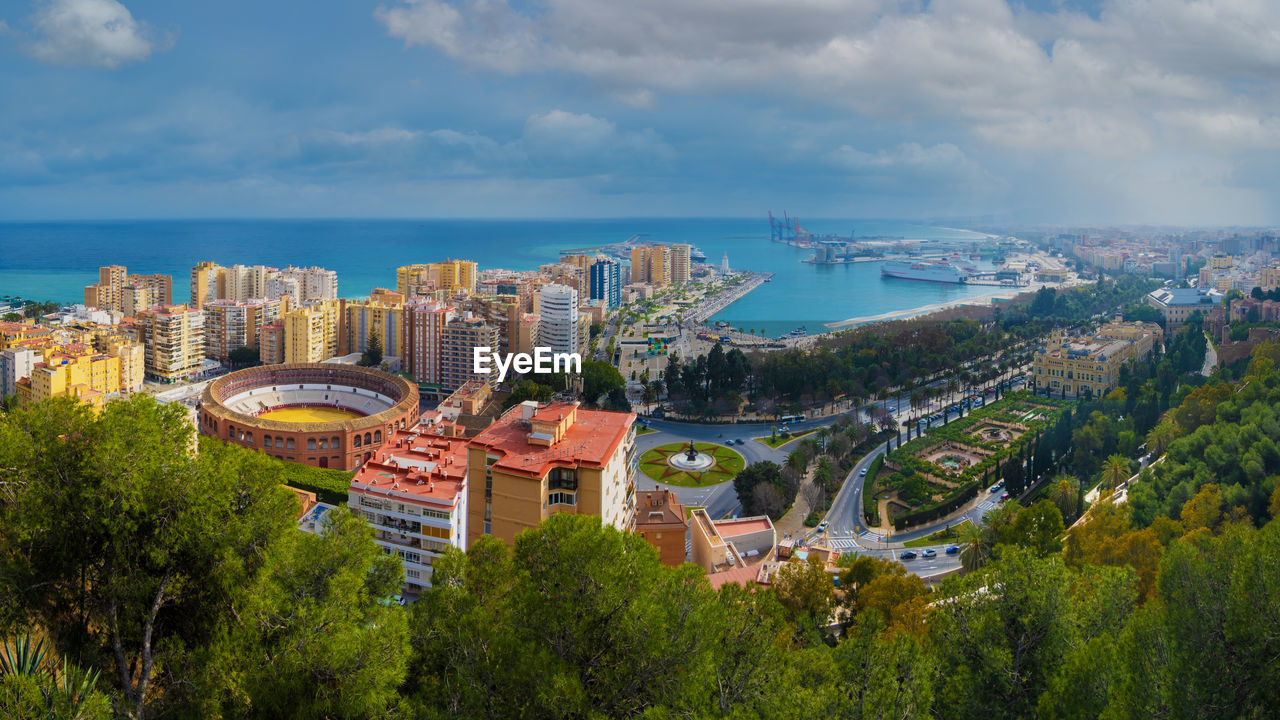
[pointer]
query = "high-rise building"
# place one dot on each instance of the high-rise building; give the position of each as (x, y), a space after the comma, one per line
(437, 280)
(606, 283)
(205, 280)
(174, 339)
(369, 316)
(16, 364)
(541, 460)
(246, 283)
(229, 324)
(271, 343)
(134, 299)
(558, 313)
(160, 287)
(413, 492)
(651, 264)
(76, 371)
(724, 264)
(314, 283)
(501, 311)
(424, 326)
(461, 336)
(311, 334)
(680, 260)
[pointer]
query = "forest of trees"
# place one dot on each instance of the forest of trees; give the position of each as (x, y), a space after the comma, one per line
(158, 584)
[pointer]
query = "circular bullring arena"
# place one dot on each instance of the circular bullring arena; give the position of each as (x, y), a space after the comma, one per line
(323, 415)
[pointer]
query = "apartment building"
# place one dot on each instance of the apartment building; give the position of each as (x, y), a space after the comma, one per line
(311, 334)
(460, 337)
(539, 460)
(437, 280)
(413, 493)
(229, 324)
(109, 292)
(1177, 304)
(174, 339)
(361, 318)
(424, 329)
(606, 282)
(651, 264)
(680, 262)
(662, 522)
(15, 365)
(271, 343)
(558, 318)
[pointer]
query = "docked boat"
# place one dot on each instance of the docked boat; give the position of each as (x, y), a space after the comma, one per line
(937, 271)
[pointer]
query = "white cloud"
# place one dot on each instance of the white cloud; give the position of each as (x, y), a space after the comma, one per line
(101, 33)
(1014, 78)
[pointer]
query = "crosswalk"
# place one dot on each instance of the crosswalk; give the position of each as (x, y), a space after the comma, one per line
(986, 505)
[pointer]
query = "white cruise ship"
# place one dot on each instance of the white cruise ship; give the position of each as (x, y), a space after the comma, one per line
(932, 271)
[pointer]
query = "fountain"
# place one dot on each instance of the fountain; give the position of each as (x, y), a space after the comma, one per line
(693, 460)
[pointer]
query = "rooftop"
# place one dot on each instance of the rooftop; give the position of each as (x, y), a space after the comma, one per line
(1186, 296)
(658, 507)
(585, 437)
(412, 465)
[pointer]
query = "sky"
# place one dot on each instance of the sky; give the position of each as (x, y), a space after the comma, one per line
(1058, 111)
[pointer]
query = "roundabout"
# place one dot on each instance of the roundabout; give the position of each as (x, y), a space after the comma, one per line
(691, 464)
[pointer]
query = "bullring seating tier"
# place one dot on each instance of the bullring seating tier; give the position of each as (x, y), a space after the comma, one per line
(356, 400)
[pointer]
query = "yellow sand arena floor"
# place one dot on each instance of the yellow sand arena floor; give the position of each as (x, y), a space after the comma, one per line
(308, 415)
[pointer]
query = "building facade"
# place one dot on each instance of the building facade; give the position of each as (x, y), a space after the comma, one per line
(1177, 304)
(413, 493)
(424, 331)
(606, 283)
(1090, 366)
(457, 351)
(661, 521)
(311, 334)
(558, 318)
(173, 336)
(229, 325)
(680, 262)
(540, 460)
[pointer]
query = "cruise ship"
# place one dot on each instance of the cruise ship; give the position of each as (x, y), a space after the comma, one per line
(936, 271)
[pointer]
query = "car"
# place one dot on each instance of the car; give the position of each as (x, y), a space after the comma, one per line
(994, 489)
(863, 473)
(822, 526)
(908, 555)
(952, 549)
(929, 553)
(740, 441)
(1004, 496)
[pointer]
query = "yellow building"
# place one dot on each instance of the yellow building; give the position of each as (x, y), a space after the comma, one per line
(14, 334)
(437, 280)
(174, 339)
(1090, 366)
(208, 282)
(311, 333)
(229, 325)
(76, 371)
(134, 299)
(540, 460)
(651, 264)
(364, 317)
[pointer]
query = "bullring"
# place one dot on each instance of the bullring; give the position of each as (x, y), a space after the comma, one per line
(266, 408)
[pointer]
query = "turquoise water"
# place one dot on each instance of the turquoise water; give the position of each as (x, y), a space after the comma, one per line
(56, 260)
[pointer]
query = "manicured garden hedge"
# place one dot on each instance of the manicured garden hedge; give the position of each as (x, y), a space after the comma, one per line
(330, 486)
(933, 512)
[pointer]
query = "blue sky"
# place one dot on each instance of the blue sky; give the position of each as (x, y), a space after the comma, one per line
(1106, 111)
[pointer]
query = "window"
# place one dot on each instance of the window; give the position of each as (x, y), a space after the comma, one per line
(288, 445)
(562, 498)
(368, 439)
(435, 532)
(279, 441)
(324, 444)
(435, 514)
(355, 442)
(377, 436)
(311, 443)
(334, 443)
(266, 441)
(562, 479)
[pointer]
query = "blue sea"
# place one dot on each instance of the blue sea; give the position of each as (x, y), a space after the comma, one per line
(54, 261)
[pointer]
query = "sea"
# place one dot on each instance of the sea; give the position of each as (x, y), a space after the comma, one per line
(55, 260)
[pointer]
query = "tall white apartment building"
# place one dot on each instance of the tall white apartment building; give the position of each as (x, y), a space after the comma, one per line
(558, 324)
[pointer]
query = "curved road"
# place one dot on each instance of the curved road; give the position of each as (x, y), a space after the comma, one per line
(845, 530)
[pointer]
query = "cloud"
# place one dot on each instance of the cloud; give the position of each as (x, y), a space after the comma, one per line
(99, 33)
(554, 144)
(1015, 78)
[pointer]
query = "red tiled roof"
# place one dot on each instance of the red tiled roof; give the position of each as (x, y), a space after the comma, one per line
(423, 468)
(591, 440)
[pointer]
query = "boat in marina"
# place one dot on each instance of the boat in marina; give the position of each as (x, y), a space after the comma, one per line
(930, 271)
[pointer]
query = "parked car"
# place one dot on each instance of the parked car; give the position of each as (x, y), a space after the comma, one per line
(908, 555)
(952, 549)
(822, 526)
(1004, 496)
(929, 553)
(994, 489)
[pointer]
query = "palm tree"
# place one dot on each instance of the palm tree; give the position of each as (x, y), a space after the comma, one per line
(1065, 493)
(974, 548)
(798, 460)
(1115, 471)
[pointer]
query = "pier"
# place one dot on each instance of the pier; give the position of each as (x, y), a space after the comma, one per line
(711, 306)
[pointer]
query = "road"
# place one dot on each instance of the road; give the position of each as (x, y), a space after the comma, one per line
(846, 530)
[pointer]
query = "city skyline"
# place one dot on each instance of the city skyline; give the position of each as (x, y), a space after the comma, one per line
(1055, 111)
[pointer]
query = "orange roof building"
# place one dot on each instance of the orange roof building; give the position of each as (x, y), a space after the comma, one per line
(414, 494)
(660, 520)
(540, 460)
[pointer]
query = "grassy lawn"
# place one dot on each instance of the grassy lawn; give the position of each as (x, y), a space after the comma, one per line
(779, 441)
(941, 536)
(727, 465)
(644, 431)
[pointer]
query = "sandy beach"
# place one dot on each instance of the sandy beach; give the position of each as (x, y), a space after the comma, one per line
(1004, 293)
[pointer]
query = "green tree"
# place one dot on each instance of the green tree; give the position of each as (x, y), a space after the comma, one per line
(243, 356)
(599, 379)
(120, 542)
(372, 356)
